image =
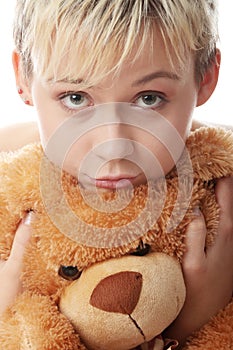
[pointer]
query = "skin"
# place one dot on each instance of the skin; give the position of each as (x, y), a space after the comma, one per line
(173, 95)
(10, 270)
(16, 136)
(152, 84)
(204, 275)
(208, 274)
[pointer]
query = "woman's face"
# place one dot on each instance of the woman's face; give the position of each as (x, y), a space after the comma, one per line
(125, 129)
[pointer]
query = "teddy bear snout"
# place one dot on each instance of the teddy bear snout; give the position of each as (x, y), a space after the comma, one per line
(118, 293)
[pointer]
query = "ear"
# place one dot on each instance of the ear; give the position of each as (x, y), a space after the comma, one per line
(22, 83)
(210, 79)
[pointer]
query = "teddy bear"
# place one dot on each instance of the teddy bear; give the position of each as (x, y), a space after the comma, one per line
(96, 279)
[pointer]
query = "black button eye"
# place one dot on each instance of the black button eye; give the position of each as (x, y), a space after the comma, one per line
(70, 273)
(142, 249)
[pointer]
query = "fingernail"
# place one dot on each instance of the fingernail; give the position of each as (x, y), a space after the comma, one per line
(27, 220)
(196, 211)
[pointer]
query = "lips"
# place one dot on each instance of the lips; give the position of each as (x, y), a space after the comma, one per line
(111, 182)
(114, 183)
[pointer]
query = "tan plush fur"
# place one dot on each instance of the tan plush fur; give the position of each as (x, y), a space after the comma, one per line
(28, 181)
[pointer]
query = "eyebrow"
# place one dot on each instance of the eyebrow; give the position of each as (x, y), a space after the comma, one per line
(68, 81)
(141, 81)
(156, 75)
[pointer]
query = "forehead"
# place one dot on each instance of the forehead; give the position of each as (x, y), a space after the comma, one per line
(79, 64)
(95, 40)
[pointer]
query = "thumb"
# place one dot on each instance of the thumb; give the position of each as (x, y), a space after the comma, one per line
(21, 239)
(195, 240)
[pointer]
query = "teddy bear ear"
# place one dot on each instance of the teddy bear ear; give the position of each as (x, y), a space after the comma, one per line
(19, 172)
(211, 153)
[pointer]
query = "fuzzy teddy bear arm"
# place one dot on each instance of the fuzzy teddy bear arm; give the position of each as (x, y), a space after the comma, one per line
(34, 322)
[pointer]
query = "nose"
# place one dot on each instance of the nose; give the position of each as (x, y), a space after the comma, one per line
(114, 139)
(118, 293)
(114, 148)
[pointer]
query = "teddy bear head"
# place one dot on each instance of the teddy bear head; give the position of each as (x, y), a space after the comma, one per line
(115, 274)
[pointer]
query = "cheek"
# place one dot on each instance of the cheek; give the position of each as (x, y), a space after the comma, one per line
(166, 140)
(50, 114)
(164, 157)
(46, 129)
(185, 106)
(75, 155)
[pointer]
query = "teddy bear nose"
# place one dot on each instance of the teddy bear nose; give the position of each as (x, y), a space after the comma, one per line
(118, 293)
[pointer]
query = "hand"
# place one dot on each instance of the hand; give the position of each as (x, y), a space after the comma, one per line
(208, 275)
(10, 269)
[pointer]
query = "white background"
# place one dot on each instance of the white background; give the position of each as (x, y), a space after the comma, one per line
(218, 109)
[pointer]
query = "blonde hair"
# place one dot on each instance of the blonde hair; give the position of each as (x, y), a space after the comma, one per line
(94, 37)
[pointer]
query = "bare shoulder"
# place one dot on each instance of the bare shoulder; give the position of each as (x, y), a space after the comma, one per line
(15, 136)
(197, 124)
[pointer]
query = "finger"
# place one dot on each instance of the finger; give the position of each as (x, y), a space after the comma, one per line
(21, 239)
(224, 194)
(195, 241)
(224, 197)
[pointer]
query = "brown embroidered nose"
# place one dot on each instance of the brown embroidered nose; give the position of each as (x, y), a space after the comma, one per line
(118, 293)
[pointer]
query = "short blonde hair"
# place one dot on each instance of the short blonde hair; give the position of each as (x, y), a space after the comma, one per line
(94, 37)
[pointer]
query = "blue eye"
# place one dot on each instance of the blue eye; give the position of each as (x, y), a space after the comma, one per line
(149, 100)
(74, 100)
